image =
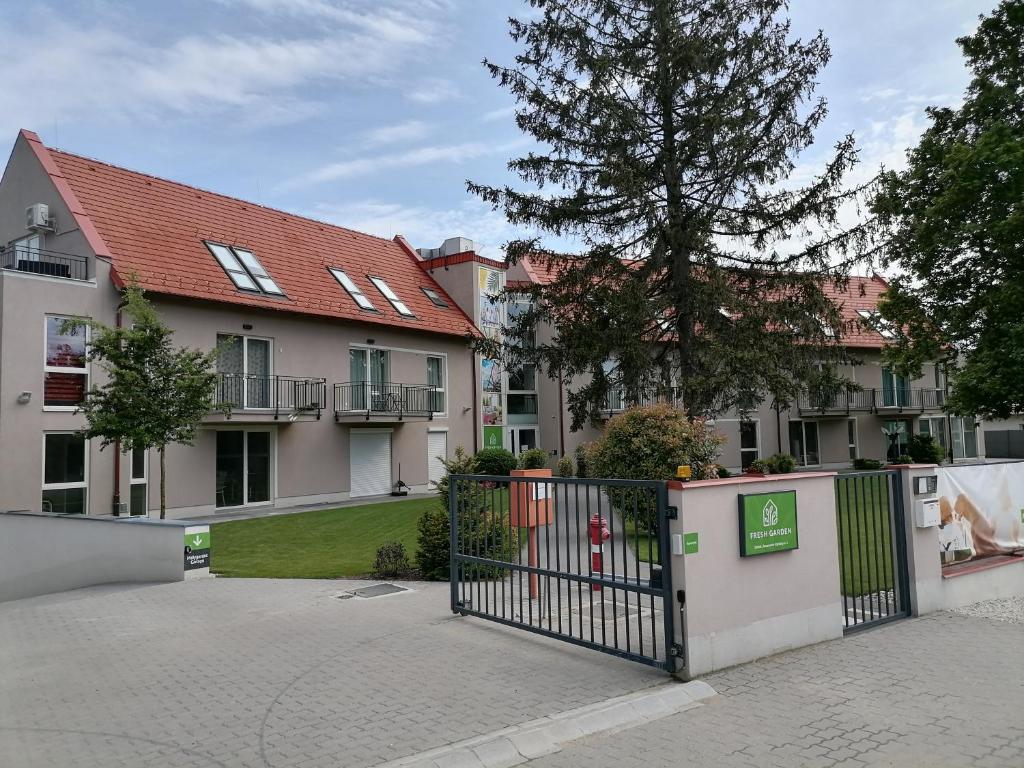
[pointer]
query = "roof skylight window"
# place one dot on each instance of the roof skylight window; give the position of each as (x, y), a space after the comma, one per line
(259, 274)
(390, 295)
(244, 269)
(875, 321)
(435, 297)
(353, 290)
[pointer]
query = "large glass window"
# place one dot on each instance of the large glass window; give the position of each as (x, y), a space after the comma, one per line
(965, 437)
(895, 389)
(65, 369)
(935, 427)
(372, 369)
(522, 408)
(65, 473)
(435, 379)
(898, 437)
(245, 366)
(749, 449)
(243, 468)
(803, 442)
(138, 501)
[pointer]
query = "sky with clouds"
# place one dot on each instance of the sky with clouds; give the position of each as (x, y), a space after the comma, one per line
(373, 113)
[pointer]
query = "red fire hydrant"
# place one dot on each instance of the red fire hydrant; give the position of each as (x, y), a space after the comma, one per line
(599, 534)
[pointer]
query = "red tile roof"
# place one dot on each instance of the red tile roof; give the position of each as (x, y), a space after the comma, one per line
(861, 293)
(154, 229)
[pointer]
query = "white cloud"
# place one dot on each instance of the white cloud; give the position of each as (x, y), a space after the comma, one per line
(433, 91)
(410, 130)
(90, 69)
(452, 154)
(498, 114)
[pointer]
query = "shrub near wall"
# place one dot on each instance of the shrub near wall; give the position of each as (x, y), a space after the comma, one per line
(649, 443)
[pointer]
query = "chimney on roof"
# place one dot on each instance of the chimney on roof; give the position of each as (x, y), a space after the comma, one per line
(450, 247)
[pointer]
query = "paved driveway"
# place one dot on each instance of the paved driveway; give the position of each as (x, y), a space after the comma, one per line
(239, 672)
(943, 691)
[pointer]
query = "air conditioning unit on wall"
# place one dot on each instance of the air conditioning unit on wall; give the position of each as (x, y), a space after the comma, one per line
(37, 217)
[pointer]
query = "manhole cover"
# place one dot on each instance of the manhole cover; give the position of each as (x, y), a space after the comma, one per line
(377, 590)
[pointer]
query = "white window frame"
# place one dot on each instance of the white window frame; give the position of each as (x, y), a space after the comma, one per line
(133, 480)
(24, 245)
(757, 439)
(855, 445)
(84, 371)
(348, 284)
(245, 367)
(802, 460)
(435, 298)
(65, 486)
(271, 481)
(958, 429)
(257, 271)
(400, 307)
(443, 389)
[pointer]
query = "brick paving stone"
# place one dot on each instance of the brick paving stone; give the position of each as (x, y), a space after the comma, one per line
(944, 690)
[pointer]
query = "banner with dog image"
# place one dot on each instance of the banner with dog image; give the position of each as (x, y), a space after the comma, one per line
(982, 510)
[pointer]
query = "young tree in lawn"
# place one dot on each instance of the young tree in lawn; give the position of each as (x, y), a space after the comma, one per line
(155, 394)
(670, 131)
(957, 225)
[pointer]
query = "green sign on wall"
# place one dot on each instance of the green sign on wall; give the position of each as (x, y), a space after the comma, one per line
(767, 523)
(493, 437)
(197, 548)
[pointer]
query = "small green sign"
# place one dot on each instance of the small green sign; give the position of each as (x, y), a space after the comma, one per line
(690, 543)
(493, 437)
(197, 550)
(767, 523)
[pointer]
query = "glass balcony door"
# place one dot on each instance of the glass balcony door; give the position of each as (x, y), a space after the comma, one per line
(895, 390)
(370, 368)
(247, 365)
(243, 468)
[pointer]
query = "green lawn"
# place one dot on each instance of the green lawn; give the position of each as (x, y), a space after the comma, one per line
(325, 544)
(644, 544)
(864, 534)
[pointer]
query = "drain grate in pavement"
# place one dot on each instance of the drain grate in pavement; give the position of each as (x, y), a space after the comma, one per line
(377, 590)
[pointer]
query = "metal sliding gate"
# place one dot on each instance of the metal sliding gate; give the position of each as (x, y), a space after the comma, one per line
(872, 549)
(584, 561)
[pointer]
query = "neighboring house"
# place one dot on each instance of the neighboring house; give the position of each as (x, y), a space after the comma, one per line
(346, 364)
(875, 422)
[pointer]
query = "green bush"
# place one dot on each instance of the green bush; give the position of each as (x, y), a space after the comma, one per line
(391, 560)
(433, 553)
(495, 461)
(565, 468)
(649, 443)
(760, 465)
(723, 471)
(903, 459)
(781, 463)
(924, 450)
(867, 464)
(461, 463)
(582, 460)
(535, 458)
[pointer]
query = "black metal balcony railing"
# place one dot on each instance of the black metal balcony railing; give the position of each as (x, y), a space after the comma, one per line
(287, 395)
(366, 398)
(617, 399)
(20, 258)
(875, 400)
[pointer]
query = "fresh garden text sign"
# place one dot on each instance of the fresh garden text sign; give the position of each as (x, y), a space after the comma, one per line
(767, 523)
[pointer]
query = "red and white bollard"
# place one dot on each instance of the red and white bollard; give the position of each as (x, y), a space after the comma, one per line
(599, 534)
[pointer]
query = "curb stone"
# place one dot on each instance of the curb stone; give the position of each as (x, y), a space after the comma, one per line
(521, 743)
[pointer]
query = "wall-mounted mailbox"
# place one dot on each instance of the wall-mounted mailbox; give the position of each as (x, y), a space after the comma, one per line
(926, 513)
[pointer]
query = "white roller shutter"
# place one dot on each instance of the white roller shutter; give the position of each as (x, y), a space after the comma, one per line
(437, 445)
(370, 459)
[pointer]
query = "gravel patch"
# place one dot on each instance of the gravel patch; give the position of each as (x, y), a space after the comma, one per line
(1010, 609)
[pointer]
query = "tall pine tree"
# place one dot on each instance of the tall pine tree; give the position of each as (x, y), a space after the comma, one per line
(670, 132)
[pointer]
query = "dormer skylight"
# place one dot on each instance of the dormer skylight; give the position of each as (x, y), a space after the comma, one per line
(353, 290)
(390, 295)
(244, 269)
(435, 297)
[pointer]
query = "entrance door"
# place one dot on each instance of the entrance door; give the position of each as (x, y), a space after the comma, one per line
(243, 468)
(370, 463)
(437, 449)
(523, 438)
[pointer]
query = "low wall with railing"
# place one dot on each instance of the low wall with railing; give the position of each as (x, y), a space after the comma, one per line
(758, 571)
(44, 553)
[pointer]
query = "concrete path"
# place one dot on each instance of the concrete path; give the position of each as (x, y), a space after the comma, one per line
(943, 691)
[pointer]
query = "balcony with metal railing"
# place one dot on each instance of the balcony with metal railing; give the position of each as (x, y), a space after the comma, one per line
(264, 398)
(873, 401)
(386, 401)
(35, 261)
(618, 400)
